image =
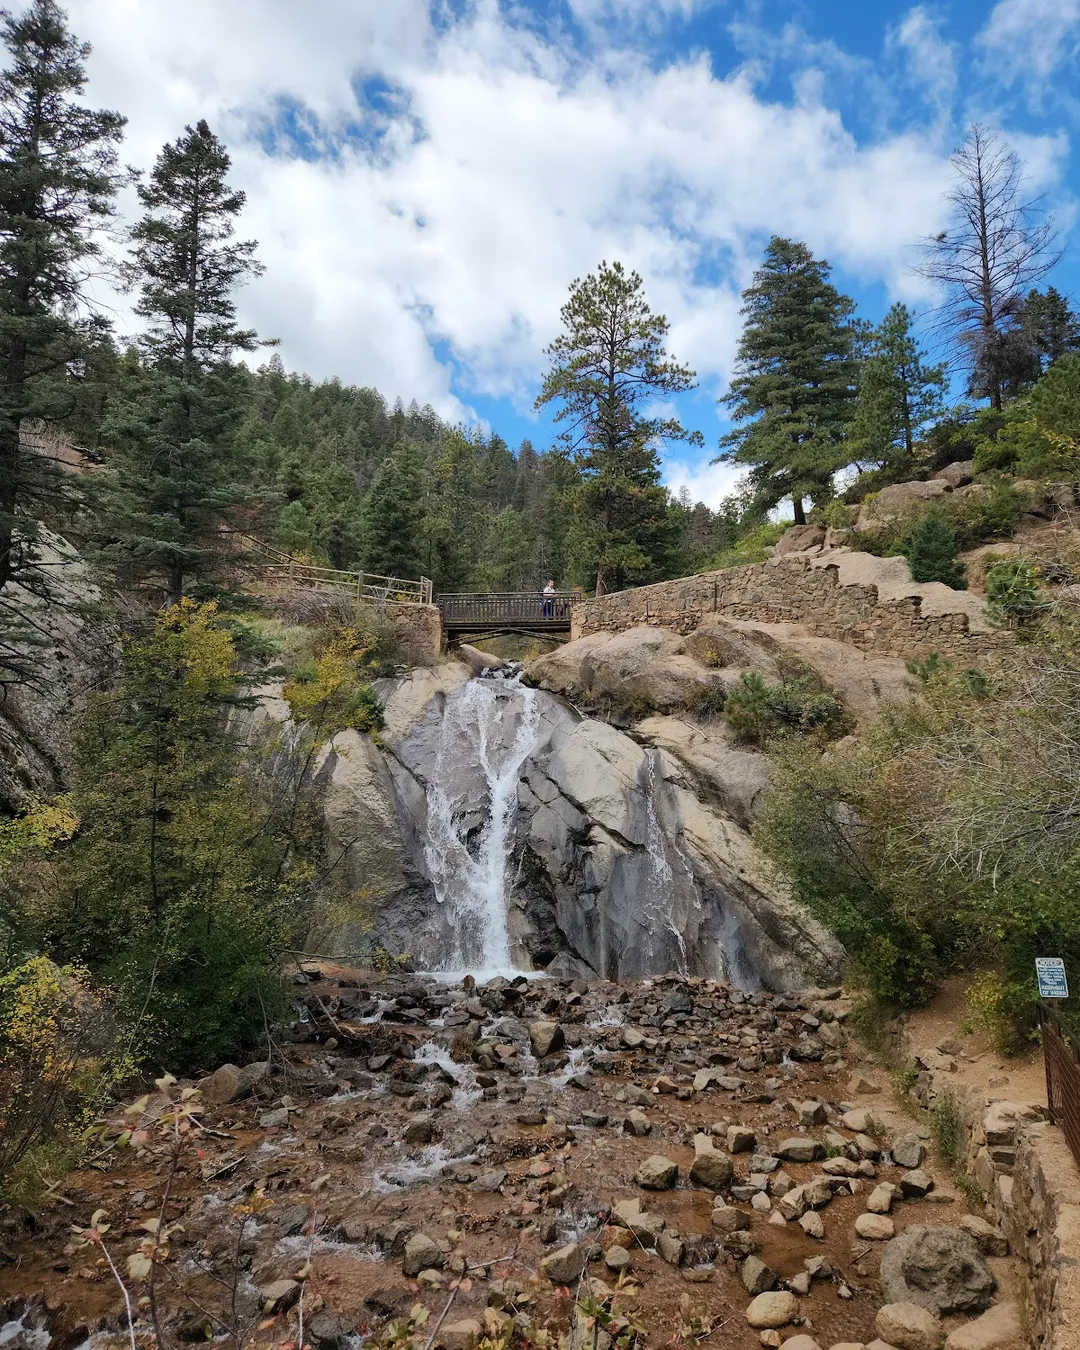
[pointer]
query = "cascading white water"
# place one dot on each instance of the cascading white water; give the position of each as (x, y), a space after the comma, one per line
(494, 724)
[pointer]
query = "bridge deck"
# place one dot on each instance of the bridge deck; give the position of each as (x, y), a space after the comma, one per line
(530, 612)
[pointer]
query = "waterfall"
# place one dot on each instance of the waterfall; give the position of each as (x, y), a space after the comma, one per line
(491, 725)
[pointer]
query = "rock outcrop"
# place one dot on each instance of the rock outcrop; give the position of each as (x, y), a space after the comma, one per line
(623, 860)
(73, 652)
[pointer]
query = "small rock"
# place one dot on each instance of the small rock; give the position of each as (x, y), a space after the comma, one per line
(657, 1173)
(999, 1325)
(421, 1253)
(617, 1259)
(637, 1123)
(800, 1149)
(670, 1249)
(419, 1131)
(564, 1266)
(279, 1296)
(916, 1183)
(859, 1086)
(760, 1202)
(728, 1219)
(818, 1267)
(801, 1343)
(860, 1120)
(992, 1240)
(812, 1225)
(489, 1181)
(909, 1327)
(875, 1227)
(908, 1151)
(711, 1167)
(880, 1199)
(271, 1120)
(463, 1335)
(800, 1283)
(740, 1139)
(756, 1276)
(813, 1112)
(632, 1038)
(775, 1309)
(546, 1037)
(232, 1084)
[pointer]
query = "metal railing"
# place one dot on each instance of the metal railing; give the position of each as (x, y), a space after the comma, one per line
(528, 609)
(362, 585)
(1062, 1057)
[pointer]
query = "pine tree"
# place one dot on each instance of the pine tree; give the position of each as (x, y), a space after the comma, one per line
(176, 479)
(793, 394)
(898, 395)
(931, 551)
(58, 174)
(1052, 326)
(393, 510)
(608, 366)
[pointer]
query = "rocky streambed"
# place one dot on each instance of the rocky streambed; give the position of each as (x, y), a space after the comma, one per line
(539, 1163)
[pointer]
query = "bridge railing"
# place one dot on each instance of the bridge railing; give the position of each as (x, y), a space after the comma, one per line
(513, 609)
(363, 585)
(1061, 1053)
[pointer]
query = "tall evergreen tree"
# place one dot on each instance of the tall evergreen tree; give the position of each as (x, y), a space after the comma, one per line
(898, 395)
(58, 174)
(176, 477)
(607, 367)
(793, 394)
(393, 511)
(1052, 327)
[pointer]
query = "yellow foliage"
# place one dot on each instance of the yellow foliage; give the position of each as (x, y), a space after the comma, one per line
(335, 694)
(39, 825)
(205, 650)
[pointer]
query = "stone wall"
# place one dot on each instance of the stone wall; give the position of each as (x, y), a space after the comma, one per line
(869, 602)
(1030, 1183)
(418, 628)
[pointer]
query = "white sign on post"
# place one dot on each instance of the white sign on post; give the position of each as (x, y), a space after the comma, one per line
(1052, 980)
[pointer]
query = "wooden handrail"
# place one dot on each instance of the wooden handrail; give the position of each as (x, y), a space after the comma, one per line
(365, 585)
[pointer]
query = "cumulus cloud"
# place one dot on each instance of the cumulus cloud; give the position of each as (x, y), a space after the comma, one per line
(424, 188)
(1030, 39)
(930, 60)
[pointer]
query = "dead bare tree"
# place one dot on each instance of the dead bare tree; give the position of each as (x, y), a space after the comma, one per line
(998, 245)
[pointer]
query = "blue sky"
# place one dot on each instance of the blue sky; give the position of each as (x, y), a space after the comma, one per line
(425, 177)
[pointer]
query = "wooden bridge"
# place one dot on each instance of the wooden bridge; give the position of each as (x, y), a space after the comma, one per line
(529, 612)
(362, 585)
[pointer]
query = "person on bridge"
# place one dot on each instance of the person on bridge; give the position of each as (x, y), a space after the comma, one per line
(548, 610)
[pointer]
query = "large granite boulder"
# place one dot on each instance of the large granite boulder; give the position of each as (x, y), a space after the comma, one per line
(940, 1269)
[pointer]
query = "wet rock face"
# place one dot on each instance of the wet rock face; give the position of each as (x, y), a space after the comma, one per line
(614, 866)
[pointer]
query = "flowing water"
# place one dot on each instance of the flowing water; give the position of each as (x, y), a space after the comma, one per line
(494, 724)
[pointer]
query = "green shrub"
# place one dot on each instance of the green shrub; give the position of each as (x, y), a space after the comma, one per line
(753, 547)
(931, 552)
(1013, 598)
(757, 711)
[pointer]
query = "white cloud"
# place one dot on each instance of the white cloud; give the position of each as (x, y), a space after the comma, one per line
(531, 163)
(1030, 39)
(708, 483)
(929, 59)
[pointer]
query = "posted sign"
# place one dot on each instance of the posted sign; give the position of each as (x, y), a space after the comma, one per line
(1051, 973)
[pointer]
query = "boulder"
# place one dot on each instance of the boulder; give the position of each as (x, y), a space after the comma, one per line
(657, 1173)
(907, 1150)
(800, 1149)
(279, 1296)
(798, 539)
(421, 1253)
(478, 662)
(998, 1326)
(232, 1084)
(756, 1276)
(775, 1309)
(740, 1139)
(940, 1269)
(899, 499)
(958, 474)
(546, 1037)
(711, 1168)
(992, 1241)
(874, 1227)
(802, 1342)
(909, 1327)
(463, 1335)
(564, 1267)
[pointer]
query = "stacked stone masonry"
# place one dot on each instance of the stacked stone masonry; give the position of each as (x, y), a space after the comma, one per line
(790, 590)
(1030, 1183)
